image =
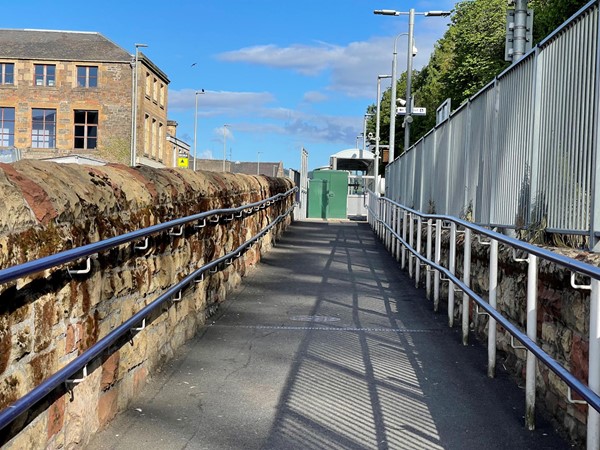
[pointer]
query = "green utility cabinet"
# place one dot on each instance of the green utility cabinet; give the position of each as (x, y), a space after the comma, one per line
(328, 194)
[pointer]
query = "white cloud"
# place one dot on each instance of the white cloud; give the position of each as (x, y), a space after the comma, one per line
(214, 103)
(352, 69)
(314, 97)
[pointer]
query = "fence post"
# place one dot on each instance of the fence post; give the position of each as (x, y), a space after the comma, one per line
(428, 254)
(438, 258)
(452, 269)
(417, 260)
(404, 232)
(593, 422)
(492, 303)
(467, 280)
(411, 231)
(532, 284)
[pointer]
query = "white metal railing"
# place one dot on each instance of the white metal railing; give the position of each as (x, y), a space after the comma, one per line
(392, 222)
(523, 152)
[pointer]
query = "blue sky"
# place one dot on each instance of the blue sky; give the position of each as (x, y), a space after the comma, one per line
(284, 75)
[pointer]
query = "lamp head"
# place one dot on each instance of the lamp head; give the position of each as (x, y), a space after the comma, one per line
(438, 13)
(386, 12)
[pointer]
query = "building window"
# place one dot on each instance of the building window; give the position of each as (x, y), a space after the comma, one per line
(7, 73)
(45, 75)
(162, 95)
(86, 129)
(87, 76)
(7, 127)
(43, 128)
(160, 142)
(155, 91)
(148, 84)
(154, 141)
(146, 134)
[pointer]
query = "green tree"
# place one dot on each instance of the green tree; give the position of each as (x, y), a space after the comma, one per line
(550, 14)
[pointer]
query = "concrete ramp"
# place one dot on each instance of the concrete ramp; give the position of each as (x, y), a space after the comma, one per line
(327, 345)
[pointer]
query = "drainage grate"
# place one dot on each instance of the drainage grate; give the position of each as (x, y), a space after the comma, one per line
(315, 319)
(355, 329)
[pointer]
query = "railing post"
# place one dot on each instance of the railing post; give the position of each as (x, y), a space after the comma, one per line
(593, 422)
(452, 269)
(386, 231)
(492, 303)
(428, 254)
(404, 231)
(400, 224)
(411, 231)
(393, 220)
(417, 260)
(467, 280)
(438, 258)
(532, 282)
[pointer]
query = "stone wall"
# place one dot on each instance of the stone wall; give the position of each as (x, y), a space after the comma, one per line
(50, 318)
(562, 324)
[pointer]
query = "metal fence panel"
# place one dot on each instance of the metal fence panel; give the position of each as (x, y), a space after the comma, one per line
(568, 65)
(521, 152)
(511, 190)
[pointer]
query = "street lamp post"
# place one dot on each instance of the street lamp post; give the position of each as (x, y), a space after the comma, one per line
(258, 163)
(377, 130)
(196, 127)
(408, 117)
(225, 144)
(392, 143)
(134, 94)
(367, 115)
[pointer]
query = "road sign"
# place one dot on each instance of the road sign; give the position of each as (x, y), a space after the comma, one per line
(401, 110)
(182, 162)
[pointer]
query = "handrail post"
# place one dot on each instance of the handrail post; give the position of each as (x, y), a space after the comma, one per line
(452, 269)
(417, 260)
(404, 231)
(438, 258)
(492, 302)
(428, 254)
(593, 422)
(411, 231)
(467, 280)
(532, 282)
(393, 221)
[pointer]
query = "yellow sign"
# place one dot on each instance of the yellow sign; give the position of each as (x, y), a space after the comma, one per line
(182, 162)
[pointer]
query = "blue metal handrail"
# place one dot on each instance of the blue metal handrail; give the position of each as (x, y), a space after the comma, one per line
(582, 389)
(12, 412)
(74, 254)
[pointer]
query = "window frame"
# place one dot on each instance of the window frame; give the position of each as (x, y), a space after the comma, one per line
(47, 79)
(87, 77)
(10, 136)
(47, 125)
(3, 74)
(87, 127)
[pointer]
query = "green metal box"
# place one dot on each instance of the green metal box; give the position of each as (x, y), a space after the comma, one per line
(328, 194)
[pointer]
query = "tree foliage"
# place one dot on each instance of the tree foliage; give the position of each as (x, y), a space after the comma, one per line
(466, 58)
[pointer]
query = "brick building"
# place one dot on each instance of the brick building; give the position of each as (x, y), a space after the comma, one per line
(65, 93)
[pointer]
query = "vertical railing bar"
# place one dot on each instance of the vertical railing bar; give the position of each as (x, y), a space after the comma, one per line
(438, 258)
(532, 285)
(452, 269)
(404, 231)
(417, 261)
(428, 255)
(411, 230)
(467, 280)
(493, 286)
(593, 420)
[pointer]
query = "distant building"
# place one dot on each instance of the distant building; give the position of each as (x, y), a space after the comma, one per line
(64, 93)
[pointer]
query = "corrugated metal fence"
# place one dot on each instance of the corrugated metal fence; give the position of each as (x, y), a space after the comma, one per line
(522, 152)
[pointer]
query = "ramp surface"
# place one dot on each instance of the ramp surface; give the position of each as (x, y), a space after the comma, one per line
(327, 345)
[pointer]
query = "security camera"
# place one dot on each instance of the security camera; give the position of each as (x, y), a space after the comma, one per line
(400, 102)
(370, 135)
